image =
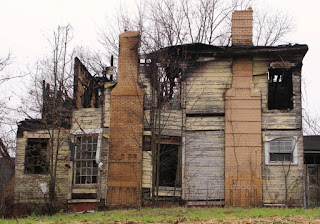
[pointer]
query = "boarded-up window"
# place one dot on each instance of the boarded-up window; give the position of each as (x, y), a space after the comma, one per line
(280, 90)
(86, 170)
(36, 157)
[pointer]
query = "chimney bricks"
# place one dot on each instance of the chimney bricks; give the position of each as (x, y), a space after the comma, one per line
(242, 27)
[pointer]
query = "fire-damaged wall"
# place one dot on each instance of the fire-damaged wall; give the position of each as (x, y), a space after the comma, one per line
(126, 126)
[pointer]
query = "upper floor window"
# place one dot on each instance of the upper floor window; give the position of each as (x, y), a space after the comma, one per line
(280, 90)
(36, 157)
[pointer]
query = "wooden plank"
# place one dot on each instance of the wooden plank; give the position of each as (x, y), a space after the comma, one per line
(86, 118)
(205, 123)
(279, 120)
(204, 161)
(147, 169)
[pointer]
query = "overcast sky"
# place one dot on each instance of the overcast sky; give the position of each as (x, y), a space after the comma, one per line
(25, 23)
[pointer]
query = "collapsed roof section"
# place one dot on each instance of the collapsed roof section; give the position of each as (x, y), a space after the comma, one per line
(88, 89)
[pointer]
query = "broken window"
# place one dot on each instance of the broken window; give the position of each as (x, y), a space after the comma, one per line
(86, 170)
(36, 157)
(170, 87)
(170, 166)
(281, 150)
(165, 78)
(280, 90)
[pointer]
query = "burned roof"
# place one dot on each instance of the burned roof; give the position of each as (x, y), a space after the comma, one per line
(235, 50)
(311, 147)
(32, 125)
(29, 125)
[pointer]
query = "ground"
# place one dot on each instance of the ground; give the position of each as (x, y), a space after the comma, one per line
(181, 215)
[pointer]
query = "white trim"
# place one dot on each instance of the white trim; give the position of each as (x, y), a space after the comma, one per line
(86, 131)
(98, 149)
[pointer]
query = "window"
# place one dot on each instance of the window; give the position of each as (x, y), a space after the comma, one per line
(86, 171)
(169, 170)
(36, 157)
(280, 90)
(281, 151)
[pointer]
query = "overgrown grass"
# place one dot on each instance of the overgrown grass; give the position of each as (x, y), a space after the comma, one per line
(168, 215)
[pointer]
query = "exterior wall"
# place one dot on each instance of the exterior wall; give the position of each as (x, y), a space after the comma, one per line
(206, 85)
(147, 169)
(27, 186)
(281, 123)
(204, 168)
(87, 118)
(106, 105)
(278, 119)
(284, 180)
(89, 121)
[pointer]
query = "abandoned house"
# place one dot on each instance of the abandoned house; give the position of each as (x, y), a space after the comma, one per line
(195, 123)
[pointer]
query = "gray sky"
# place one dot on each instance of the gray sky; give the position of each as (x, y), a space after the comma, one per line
(25, 24)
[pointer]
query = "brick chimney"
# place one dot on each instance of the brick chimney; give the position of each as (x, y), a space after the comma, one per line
(242, 27)
(126, 125)
(243, 145)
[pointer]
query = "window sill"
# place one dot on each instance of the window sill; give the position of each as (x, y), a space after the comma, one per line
(282, 164)
(82, 200)
(37, 174)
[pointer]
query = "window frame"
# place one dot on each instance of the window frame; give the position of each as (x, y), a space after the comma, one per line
(280, 80)
(87, 132)
(268, 151)
(86, 160)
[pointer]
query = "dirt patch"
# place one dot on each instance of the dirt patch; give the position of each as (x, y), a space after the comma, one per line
(233, 220)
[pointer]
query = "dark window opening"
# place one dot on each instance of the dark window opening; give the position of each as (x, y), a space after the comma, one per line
(280, 90)
(170, 166)
(170, 88)
(165, 78)
(281, 150)
(36, 158)
(84, 196)
(86, 170)
(283, 157)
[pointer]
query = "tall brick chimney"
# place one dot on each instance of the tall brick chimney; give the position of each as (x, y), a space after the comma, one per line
(242, 27)
(126, 126)
(243, 147)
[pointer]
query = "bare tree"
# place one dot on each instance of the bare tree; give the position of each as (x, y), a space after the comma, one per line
(50, 99)
(271, 27)
(4, 62)
(167, 23)
(5, 119)
(311, 123)
(7, 164)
